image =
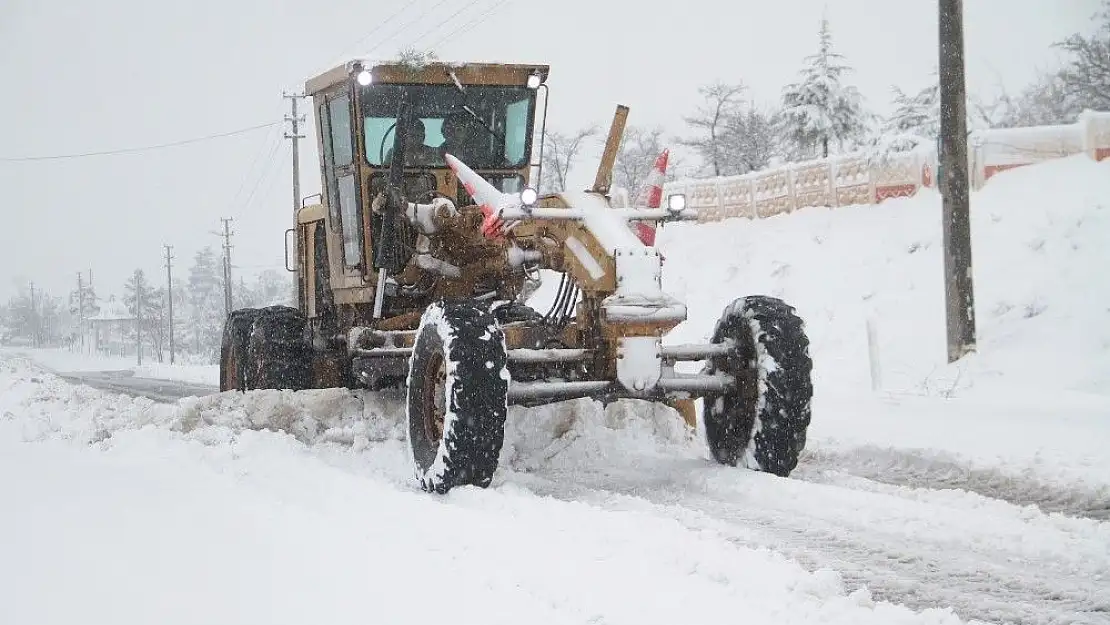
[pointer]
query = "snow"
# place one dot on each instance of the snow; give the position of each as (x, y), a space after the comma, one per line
(160, 505)
(1039, 239)
(62, 360)
(611, 231)
(980, 489)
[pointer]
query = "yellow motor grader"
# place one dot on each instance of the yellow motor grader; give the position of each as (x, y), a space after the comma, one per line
(415, 266)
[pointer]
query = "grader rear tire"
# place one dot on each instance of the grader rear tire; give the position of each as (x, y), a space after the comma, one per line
(458, 390)
(761, 422)
(233, 348)
(278, 354)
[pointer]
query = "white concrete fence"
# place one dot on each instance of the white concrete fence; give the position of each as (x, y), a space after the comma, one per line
(857, 178)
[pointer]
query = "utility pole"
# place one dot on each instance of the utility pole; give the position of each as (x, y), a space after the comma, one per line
(139, 316)
(295, 136)
(958, 287)
(169, 294)
(227, 263)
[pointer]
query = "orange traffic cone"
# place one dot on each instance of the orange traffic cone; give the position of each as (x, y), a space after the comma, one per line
(652, 197)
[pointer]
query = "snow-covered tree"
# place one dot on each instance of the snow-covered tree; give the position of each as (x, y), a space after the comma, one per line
(750, 141)
(39, 320)
(1045, 102)
(1086, 76)
(820, 109)
(268, 288)
(917, 114)
(721, 104)
(206, 303)
(560, 151)
(147, 304)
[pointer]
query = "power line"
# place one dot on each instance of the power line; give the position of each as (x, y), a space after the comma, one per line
(382, 24)
(263, 174)
(145, 148)
(463, 29)
(407, 24)
(444, 22)
(255, 163)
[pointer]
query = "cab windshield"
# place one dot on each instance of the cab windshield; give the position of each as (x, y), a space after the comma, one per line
(497, 135)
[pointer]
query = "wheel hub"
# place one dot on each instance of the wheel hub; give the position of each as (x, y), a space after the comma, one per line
(435, 399)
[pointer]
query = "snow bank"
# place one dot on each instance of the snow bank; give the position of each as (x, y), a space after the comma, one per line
(1037, 395)
(1041, 238)
(157, 505)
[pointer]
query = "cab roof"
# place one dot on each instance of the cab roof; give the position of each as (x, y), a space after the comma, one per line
(435, 72)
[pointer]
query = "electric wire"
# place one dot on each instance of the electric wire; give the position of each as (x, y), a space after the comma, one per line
(405, 7)
(258, 160)
(467, 27)
(443, 23)
(406, 25)
(138, 149)
(264, 175)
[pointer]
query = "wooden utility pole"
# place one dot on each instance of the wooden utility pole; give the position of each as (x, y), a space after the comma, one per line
(227, 263)
(958, 288)
(169, 295)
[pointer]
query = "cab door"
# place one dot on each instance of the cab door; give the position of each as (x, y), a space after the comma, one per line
(341, 177)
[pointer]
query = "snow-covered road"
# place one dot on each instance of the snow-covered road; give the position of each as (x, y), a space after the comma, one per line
(605, 515)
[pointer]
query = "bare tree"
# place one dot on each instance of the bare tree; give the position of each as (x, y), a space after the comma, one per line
(559, 154)
(636, 157)
(722, 102)
(1086, 77)
(1045, 102)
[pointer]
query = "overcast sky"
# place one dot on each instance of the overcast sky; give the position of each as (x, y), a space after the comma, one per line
(90, 76)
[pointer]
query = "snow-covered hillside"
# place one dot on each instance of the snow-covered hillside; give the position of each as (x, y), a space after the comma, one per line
(1040, 251)
(980, 490)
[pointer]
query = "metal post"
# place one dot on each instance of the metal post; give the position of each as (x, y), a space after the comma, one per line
(169, 295)
(958, 287)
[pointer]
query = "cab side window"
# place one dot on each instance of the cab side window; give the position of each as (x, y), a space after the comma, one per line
(341, 175)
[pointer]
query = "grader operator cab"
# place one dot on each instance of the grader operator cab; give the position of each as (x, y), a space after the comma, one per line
(414, 270)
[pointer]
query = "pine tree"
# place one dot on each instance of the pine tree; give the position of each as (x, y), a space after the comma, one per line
(820, 110)
(206, 303)
(146, 303)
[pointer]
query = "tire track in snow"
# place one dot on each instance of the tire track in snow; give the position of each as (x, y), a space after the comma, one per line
(930, 470)
(987, 582)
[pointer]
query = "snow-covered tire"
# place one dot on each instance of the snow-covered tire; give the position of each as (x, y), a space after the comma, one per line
(761, 421)
(233, 348)
(458, 391)
(278, 354)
